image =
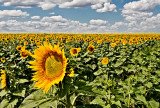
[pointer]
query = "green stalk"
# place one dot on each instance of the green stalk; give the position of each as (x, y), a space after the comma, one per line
(68, 101)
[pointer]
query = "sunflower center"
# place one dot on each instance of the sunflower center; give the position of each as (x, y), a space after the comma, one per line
(53, 66)
(25, 54)
(74, 51)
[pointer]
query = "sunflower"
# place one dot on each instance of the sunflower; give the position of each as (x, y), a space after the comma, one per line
(3, 79)
(124, 42)
(75, 51)
(105, 60)
(19, 48)
(25, 43)
(91, 48)
(50, 63)
(25, 53)
(71, 74)
(3, 59)
(113, 44)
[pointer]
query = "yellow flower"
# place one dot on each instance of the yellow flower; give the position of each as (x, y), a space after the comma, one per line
(25, 43)
(3, 79)
(71, 73)
(91, 48)
(113, 44)
(50, 66)
(3, 59)
(124, 42)
(25, 53)
(105, 60)
(75, 51)
(19, 48)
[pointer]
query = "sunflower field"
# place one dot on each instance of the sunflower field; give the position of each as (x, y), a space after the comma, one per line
(44, 70)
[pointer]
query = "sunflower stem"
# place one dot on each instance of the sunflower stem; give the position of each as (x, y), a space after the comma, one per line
(68, 101)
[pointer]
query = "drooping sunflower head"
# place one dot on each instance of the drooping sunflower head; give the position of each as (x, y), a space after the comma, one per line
(3, 79)
(105, 60)
(50, 66)
(75, 51)
(91, 48)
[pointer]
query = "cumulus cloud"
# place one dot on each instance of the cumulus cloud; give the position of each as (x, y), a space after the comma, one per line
(54, 19)
(35, 17)
(13, 13)
(117, 25)
(139, 15)
(107, 8)
(99, 5)
(46, 5)
(98, 22)
(139, 10)
(54, 24)
(142, 5)
(21, 3)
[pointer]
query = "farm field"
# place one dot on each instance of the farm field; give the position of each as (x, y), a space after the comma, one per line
(44, 70)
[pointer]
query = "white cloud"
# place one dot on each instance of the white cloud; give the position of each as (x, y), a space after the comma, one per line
(13, 13)
(95, 4)
(75, 3)
(54, 24)
(35, 17)
(98, 22)
(142, 5)
(54, 19)
(107, 8)
(117, 25)
(139, 10)
(23, 3)
(46, 5)
(99, 5)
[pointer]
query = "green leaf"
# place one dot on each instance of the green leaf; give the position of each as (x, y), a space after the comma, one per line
(118, 103)
(142, 99)
(99, 101)
(4, 103)
(98, 72)
(23, 80)
(20, 93)
(12, 104)
(35, 99)
(154, 104)
(3, 92)
(149, 84)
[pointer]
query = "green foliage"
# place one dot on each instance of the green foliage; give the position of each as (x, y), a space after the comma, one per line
(130, 79)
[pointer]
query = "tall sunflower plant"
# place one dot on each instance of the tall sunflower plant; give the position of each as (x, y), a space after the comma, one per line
(63, 77)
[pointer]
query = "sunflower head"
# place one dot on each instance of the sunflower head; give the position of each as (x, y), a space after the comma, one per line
(50, 66)
(25, 43)
(105, 60)
(3, 79)
(113, 44)
(71, 74)
(25, 53)
(124, 42)
(75, 51)
(91, 48)
(3, 59)
(19, 48)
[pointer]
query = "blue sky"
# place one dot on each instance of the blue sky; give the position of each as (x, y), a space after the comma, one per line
(80, 16)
